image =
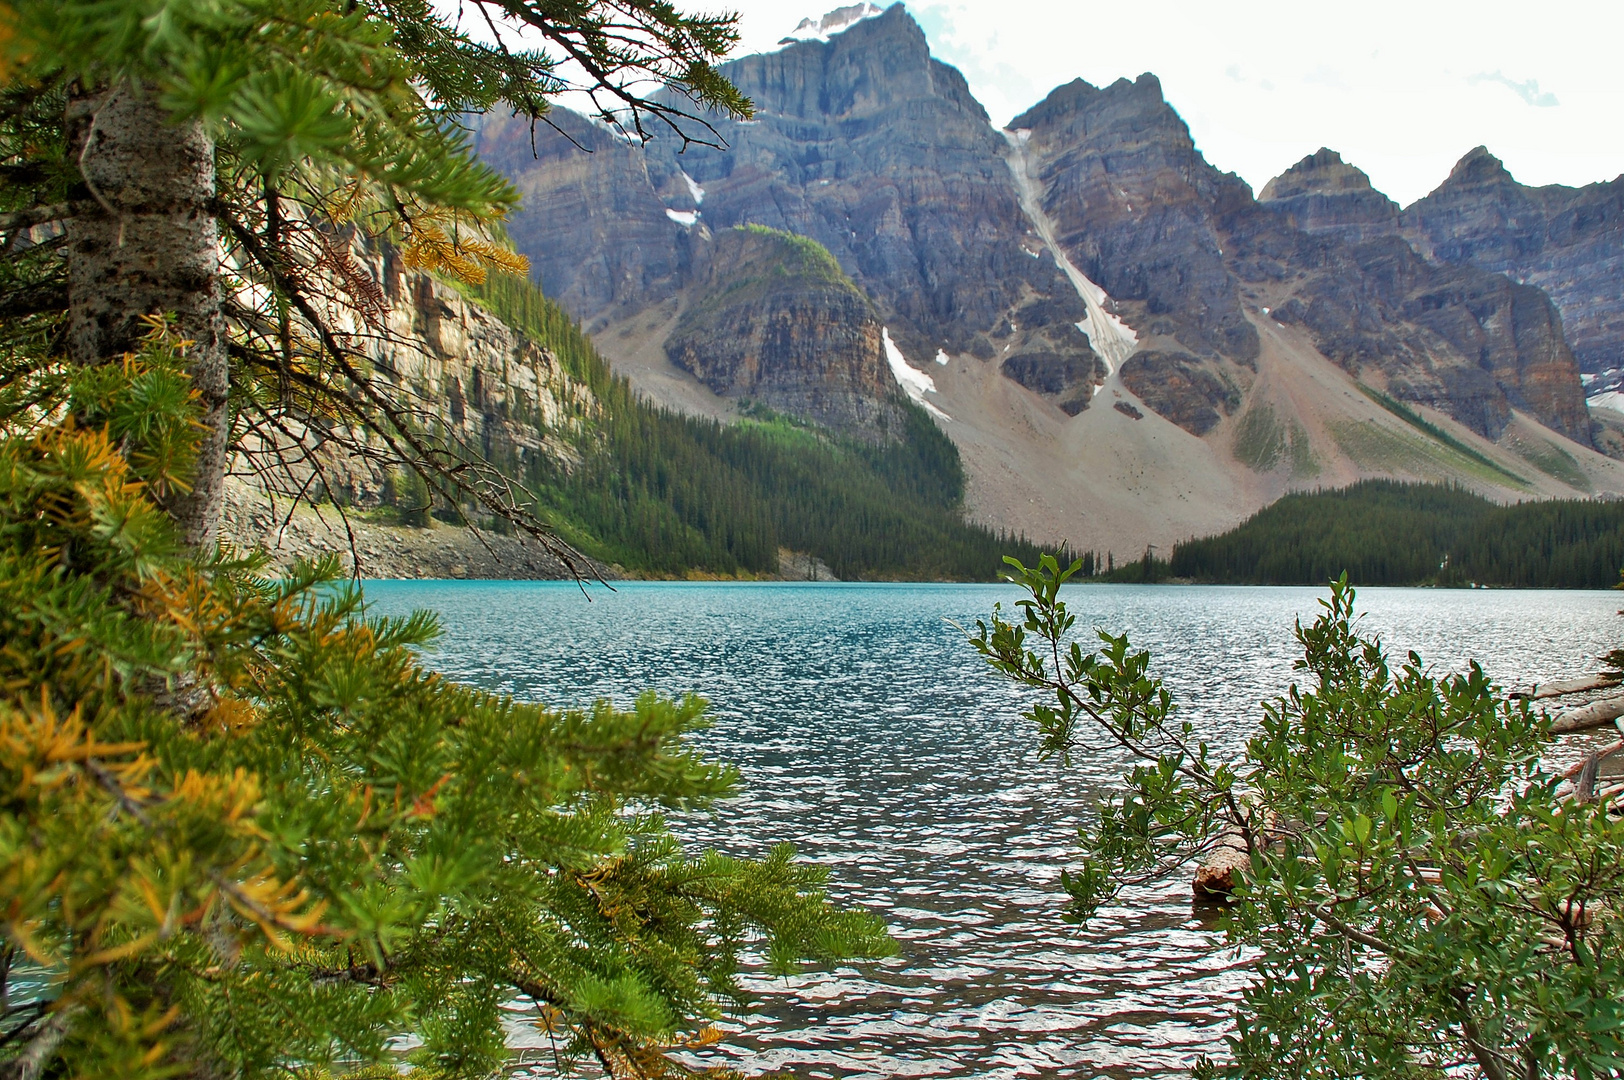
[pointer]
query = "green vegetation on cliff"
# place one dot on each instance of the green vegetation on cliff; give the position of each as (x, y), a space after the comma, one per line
(666, 493)
(1382, 532)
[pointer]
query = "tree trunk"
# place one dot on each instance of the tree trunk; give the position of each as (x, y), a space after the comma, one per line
(148, 244)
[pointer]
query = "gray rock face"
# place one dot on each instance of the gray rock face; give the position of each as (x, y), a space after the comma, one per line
(1137, 207)
(775, 320)
(1067, 380)
(866, 144)
(1568, 241)
(596, 233)
(1184, 249)
(1179, 387)
(878, 152)
(863, 143)
(1322, 194)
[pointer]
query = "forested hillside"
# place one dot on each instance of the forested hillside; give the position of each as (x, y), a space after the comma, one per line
(667, 493)
(1383, 532)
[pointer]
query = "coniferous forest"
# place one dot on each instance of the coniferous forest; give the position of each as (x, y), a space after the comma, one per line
(1383, 532)
(666, 493)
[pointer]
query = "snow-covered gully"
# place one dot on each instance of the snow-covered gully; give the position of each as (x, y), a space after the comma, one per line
(1111, 338)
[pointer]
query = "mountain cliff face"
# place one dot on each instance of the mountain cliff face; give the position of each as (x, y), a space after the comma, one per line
(877, 151)
(1509, 348)
(775, 320)
(598, 237)
(1568, 241)
(1324, 195)
(862, 142)
(463, 373)
(1087, 255)
(1186, 251)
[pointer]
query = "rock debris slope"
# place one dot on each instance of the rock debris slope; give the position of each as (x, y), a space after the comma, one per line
(1127, 346)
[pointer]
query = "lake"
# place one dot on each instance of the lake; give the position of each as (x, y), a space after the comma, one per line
(874, 738)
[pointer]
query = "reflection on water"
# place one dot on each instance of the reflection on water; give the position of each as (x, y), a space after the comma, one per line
(874, 738)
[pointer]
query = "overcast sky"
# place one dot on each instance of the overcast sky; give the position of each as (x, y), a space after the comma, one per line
(1402, 88)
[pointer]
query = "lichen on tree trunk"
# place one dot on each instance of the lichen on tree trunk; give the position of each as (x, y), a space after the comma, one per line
(148, 244)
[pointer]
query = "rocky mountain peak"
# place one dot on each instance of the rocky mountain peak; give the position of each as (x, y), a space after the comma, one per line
(833, 22)
(1135, 206)
(1322, 172)
(1565, 240)
(1478, 168)
(876, 61)
(1081, 109)
(1324, 194)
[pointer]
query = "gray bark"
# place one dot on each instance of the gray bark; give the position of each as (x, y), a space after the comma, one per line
(148, 244)
(1585, 718)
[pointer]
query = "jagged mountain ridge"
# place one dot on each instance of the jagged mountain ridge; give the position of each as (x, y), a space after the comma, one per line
(1186, 250)
(863, 143)
(867, 144)
(1568, 241)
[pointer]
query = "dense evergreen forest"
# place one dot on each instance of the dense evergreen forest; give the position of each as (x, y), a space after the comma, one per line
(1383, 532)
(665, 493)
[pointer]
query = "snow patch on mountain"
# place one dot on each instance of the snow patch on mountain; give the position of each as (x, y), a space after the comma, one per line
(685, 218)
(915, 383)
(832, 23)
(694, 189)
(1111, 338)
(1607, 399)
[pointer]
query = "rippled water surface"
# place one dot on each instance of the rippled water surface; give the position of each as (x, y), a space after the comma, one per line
(873, 737)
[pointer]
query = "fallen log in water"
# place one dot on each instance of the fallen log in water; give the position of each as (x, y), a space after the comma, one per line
(1219, 872)
(1561, 687)
(1587, 717)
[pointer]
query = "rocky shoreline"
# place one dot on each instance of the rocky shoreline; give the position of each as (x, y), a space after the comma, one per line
(372, 549)
(437, 551)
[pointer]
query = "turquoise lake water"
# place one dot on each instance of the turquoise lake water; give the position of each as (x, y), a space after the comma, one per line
(871, 736)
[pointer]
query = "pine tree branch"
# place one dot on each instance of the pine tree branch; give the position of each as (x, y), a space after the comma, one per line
(40, 215)
(397, 433)
(29, 1064)
(34, 300)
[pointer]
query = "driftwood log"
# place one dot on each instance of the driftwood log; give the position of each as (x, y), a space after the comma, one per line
(1588, 717)
(1540, 691)
(1219, 872)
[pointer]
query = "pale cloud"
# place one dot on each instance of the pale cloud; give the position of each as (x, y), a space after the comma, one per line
(1388, 85)
(1528, 90)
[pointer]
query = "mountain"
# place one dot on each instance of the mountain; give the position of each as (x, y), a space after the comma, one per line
(1568, 241)
(1325, 195)
(1125, 345)
(507, 377)
(1503, 342)
(863, 143)
(775, 320)
(1185, 250)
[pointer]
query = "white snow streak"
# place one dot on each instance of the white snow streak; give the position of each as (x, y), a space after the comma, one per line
(693, 188)
(1607, 399)
(833, 23)
(1111, 338)
(915, 383)
(685, 218)
(941, 357)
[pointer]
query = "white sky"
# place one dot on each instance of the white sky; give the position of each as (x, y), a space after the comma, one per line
(1402, 88)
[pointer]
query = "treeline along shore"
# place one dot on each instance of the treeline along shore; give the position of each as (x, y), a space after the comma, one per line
(1385, 532)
